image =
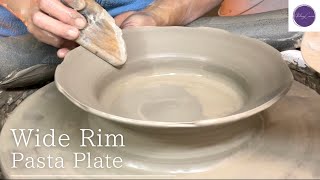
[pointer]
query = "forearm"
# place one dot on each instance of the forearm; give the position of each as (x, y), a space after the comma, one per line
(179, 12)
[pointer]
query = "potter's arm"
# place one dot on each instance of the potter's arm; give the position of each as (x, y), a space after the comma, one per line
(179, 12)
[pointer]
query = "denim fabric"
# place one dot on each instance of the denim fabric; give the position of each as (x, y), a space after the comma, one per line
(10, 25)
(19, 53)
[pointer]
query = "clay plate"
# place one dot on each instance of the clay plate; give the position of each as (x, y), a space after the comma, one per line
(177, 77)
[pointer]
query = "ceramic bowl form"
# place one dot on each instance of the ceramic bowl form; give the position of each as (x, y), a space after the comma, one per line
(177, 77)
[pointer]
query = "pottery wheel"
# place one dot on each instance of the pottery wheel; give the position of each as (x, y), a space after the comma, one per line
(287, 145)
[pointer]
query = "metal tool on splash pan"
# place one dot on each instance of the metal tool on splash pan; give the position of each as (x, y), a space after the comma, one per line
(101, 36)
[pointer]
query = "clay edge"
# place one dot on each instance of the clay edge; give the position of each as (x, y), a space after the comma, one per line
(197, 123)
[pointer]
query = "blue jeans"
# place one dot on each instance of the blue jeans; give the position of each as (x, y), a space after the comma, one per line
(25, 61)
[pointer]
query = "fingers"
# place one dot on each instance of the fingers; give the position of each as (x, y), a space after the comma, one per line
(67, 46)
(57, 20)
(122, 17)
(45, 37)
(62, 13)
(54, 23)
(62, 52)
(55, 27)
(138, 19)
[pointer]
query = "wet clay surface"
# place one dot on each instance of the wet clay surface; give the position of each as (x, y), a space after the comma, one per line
(181, 96)
(283, 145)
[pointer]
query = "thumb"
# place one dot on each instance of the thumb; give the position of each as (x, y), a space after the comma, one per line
(137, 19)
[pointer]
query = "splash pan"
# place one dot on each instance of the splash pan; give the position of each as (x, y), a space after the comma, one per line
(177, 77)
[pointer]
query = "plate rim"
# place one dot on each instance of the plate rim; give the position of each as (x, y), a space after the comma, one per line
(198, 123)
